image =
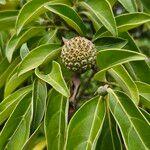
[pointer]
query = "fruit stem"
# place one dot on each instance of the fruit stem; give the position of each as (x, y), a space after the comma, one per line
(75, 84)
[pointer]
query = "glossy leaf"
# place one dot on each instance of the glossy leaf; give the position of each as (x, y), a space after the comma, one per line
(17, 128)
(24, 50)
(109, 135)
(29, 12)
(7, 71)
(103, 12)
(139, 69)
(69, 15)
(129, 5)
(109, 42)
(39, 97)
(14, 81)
(55, 79)
(16, 41)
(10, 102)
(144, 92)
(146, 4)
(7, 19)
(86, 124)
(146, 114)
(127, 22)
(105, 60)
(37, 56)
(97, 24)
(49, 37)
(124, 80)
(56, 121)
(32, 10)
(133, 125)
(34, 138)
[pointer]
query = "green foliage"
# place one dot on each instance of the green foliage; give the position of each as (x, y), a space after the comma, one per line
(43, 105)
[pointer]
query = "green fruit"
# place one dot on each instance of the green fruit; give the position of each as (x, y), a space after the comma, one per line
(78, 54)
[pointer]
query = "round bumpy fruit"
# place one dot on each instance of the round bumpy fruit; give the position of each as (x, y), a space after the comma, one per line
(78, 54)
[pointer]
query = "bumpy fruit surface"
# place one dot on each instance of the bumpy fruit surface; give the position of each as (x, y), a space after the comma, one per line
(78, 54)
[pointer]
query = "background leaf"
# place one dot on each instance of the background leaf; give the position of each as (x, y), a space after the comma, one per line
(7, 19)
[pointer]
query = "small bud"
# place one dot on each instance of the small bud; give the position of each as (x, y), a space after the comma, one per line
(102, 90)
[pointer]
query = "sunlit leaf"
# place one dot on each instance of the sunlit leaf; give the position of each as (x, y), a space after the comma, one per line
(17, 127)
(55, 79)
(16, 41)
(103, 12)
(69, 15)
(9, 103)
(86, 124)
(130, 121)
(105, 60)
(37, 56)
(39, 97)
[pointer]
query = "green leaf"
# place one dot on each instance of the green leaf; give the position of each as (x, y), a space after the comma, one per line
(16, 41)
(105, 60)
(14, 81)
(144, 91)
(86, 124)
(10, 102)
(56, 121)
(129, 21)
(32, 10)
(24, 50)
(146, 114)
(133, 126)
(103, 11)
(39, 97)
(125, 22)
(55, 79)
(29, 12)
(34, 138)
(7, 19)
(7, 71)
(69, 15)
(37, 56)
(139, 69)
(109, 42)
(49, 37)
(17, 127)
(129, 5)
(94, 20)
(146, 4)
(122, 77)
(109, 135)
